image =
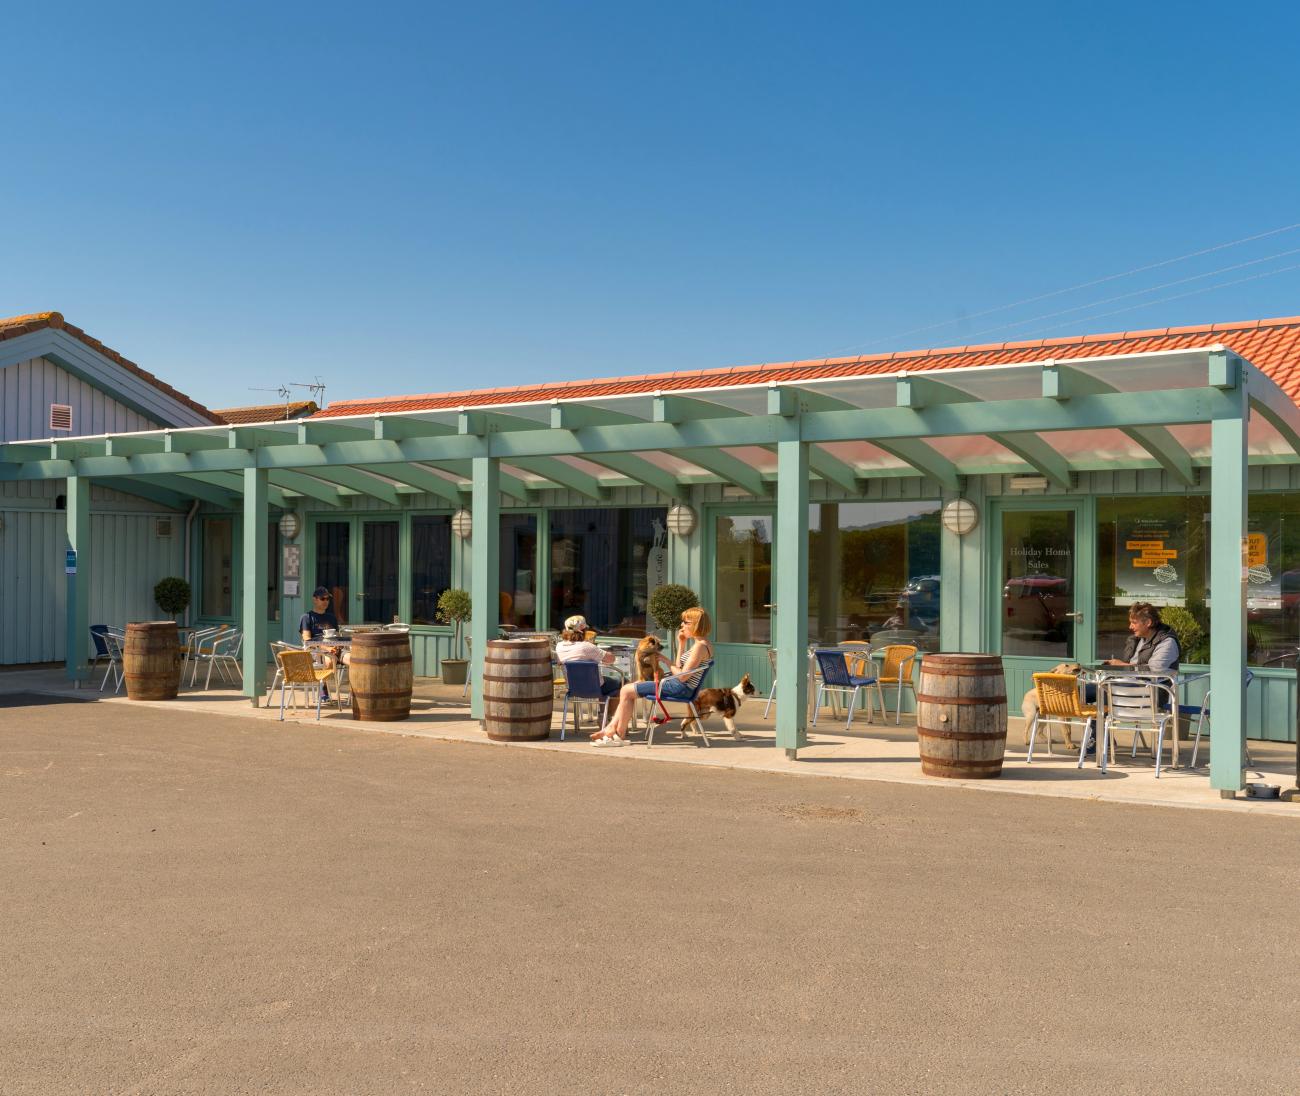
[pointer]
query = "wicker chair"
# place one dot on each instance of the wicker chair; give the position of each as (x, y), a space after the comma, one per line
(298, 671)
(1058, 702)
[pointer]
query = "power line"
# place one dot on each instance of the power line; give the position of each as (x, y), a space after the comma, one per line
(1138, 292)
(1173, 297)
(1071, 289)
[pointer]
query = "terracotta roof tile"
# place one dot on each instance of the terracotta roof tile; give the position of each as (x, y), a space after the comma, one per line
(14, 326)
(270, 412)
(1272, 345)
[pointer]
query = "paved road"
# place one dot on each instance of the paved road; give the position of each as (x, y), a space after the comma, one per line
(227, 907)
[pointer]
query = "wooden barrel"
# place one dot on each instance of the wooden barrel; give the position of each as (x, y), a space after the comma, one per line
(379, 675)
(961, 716)
(518, 690)
(151, 660)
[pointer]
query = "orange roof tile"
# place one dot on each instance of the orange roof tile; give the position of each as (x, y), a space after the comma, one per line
(14, 326)
(269, 412)
(1273, 345)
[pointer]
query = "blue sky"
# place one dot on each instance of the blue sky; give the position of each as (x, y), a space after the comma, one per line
(410, 198)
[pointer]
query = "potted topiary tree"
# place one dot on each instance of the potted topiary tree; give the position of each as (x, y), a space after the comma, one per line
(668, 603)
(172, 595)
(454, 608)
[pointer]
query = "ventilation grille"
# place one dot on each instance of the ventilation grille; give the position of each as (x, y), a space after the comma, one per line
(60, 417)
(163, 527)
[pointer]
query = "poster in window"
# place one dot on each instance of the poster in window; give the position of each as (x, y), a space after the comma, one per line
(1151, 561)
(1263, 549)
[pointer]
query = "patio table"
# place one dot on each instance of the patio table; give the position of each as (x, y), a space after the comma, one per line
(1094, 673)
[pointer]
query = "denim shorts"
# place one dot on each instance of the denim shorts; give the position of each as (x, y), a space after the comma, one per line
(669, 690)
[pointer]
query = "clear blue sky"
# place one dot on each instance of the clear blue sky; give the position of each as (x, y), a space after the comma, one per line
(431, 197)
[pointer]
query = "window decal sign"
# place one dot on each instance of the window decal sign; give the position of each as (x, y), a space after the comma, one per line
(1150, 561)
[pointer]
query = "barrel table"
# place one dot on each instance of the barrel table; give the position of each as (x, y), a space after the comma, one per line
(961, 716)
(151, 660)
(380, 676)
(518, 690)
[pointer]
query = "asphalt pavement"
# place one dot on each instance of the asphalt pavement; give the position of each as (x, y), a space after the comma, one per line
(221, 905)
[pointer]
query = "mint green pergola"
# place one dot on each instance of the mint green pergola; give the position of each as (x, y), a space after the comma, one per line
(1176, 410)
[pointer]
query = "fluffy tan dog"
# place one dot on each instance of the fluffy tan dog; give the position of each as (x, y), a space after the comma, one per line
(1029, 706)
(647, 658)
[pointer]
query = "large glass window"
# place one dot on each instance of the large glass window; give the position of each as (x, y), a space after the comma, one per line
(216, 599)
(742, 585)
(603, 565)
(430, 565)
(518, 571)
(874, 572)
(1273, 579)
(333, 565)
(1153, 549)
(273, 571)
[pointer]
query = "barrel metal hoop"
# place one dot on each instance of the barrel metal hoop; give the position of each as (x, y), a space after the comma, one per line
(987, 701)
(961, 736)
(404, 694)
(520, 718)
(354, 661)
(519, 680)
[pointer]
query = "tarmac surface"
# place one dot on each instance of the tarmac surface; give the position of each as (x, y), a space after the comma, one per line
(228, 906)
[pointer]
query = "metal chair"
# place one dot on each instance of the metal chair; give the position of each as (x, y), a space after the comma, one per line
(582, 680)
(200, 648)
(1138, 705)
(223, 655)
(465, 691)
(298, 671)
(695, 680)
(1202, 713)
(897, 669)
(276, 647)
(771, 693)
(114, 640)
(1058, 702)
(836, 679)
(104, 653)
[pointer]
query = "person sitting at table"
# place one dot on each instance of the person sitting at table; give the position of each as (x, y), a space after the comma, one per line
(693, 650)
(575, 647)
(314, 623)
(1152, 647)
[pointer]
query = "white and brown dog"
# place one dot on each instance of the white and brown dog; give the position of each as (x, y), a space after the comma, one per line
(1029, 705)
(726, 701)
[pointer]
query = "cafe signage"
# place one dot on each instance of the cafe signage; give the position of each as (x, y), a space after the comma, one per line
(1150, 561)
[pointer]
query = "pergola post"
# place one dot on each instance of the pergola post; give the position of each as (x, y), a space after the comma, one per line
(485, 577)
(791, 638)
(1228, 437)
(256, 516)
(78, 604)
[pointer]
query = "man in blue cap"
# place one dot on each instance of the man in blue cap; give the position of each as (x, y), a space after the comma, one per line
(319, 617)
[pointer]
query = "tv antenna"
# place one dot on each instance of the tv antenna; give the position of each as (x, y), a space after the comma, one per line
(285, 391)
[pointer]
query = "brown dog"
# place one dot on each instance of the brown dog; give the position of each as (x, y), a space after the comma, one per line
(726, 701)
(647, 658)
(1029, 706)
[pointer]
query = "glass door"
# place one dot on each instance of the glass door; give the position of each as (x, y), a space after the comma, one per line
(380, 568)
(333, 568)
(1039, 613)
(742, 578)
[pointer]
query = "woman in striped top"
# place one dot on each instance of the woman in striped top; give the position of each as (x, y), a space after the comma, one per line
(694, 649)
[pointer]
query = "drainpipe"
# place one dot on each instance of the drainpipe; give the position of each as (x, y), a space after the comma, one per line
(189, 523)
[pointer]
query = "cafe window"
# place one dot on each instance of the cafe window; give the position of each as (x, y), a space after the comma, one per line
(1154, 550)
(430, 565)
(742, 582)
(273, 571)
(874, 572)
(217, 546)
(1272, 579)
(518, 571)
(604, 563)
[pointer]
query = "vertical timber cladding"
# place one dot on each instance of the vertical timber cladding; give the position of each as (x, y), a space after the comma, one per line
(125, 548)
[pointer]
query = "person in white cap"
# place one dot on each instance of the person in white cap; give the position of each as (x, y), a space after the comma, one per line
(574, 646)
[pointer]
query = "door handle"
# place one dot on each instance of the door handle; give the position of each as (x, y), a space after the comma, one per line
(1074, 616)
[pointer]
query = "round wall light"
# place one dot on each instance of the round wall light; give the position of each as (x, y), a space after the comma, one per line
(960, 516)
(290, 525)
(462, 523)
(681, 520)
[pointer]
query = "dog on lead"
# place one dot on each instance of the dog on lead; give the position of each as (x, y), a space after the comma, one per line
(725, 701)
(1029, 706)
(647, 658)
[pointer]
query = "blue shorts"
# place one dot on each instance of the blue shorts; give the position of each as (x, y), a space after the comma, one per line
(670, 690)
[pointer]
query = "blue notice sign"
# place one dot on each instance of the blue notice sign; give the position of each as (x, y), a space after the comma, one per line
(70, 566)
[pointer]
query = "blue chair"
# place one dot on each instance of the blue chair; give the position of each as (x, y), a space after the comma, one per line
(105, 651)
(699, 675)
(1202, 713)
(582, 686)
(836, 678)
